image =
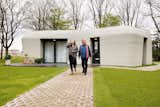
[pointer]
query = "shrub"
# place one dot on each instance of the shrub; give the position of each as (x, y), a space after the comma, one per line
(7, 57)
(26, 55)
(39, 60)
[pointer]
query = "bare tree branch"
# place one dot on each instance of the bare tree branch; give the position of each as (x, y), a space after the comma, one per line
(74, 9)
(98, 9)
(154, 13)
(129, 12)
(12, 18)
(38, 13)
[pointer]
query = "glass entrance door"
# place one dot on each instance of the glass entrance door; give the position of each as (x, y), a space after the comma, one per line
(95, 45)
(55, 51)
(61, 52)
(49, 52)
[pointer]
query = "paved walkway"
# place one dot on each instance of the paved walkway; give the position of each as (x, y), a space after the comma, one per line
(145, 68)
(149, 68)
(65, 90)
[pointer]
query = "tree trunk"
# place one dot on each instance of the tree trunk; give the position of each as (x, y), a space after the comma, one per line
(1, 51)
(6, 51)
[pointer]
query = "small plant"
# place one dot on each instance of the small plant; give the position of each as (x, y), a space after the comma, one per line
(39, 60)
(26, 55)
(8, 57)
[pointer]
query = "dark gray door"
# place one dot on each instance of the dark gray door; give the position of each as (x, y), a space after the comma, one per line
(95, 45)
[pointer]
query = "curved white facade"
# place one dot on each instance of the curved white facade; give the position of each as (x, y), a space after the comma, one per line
(118, 46)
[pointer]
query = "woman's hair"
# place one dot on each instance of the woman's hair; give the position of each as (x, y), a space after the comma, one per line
(74, 42)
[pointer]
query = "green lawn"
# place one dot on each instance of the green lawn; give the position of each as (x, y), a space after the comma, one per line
(17, 80)
(126, 88)
(15, 59)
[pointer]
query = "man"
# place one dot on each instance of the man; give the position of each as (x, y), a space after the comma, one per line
(84, 53)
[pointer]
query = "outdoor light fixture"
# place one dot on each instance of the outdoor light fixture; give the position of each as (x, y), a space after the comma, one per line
(54, 40)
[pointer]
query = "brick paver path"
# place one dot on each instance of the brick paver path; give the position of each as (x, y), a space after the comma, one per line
(64, 90)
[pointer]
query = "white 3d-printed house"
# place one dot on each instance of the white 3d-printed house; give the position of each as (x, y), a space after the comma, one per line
(116, 46)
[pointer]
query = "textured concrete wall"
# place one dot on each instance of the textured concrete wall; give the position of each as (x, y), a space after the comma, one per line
(121, 50)
(32, 47)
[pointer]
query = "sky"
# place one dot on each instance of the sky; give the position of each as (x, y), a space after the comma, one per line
(17, 44)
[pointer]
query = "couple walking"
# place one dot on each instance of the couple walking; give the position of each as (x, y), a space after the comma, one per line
(84, 53)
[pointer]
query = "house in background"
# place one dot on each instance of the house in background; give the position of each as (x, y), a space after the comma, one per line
(116, 46)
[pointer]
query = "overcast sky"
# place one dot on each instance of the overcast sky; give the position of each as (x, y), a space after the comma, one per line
(146, 24)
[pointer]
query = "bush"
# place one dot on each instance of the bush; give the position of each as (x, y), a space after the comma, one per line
(26, 55)
(7, 57)
(39, 60)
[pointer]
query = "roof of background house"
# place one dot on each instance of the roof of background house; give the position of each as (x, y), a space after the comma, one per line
(85, 33)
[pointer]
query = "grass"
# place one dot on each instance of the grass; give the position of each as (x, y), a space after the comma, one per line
(147, 65)
(17, 80)
(15, 59)
(156, 62)
(2, 61)
(126, 88)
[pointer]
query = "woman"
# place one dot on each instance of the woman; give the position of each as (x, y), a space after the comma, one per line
(73, 49)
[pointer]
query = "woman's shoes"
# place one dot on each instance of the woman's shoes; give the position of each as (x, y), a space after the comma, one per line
(71, 72)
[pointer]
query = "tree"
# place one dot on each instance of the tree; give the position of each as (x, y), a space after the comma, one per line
(99, 8)
(129, 12)
(156, 48)
(1, 20)
(12, 18)
(57, 20)
(110, 20)
(154, 8)
(154, 13)
(74, 9)
(38, 13)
